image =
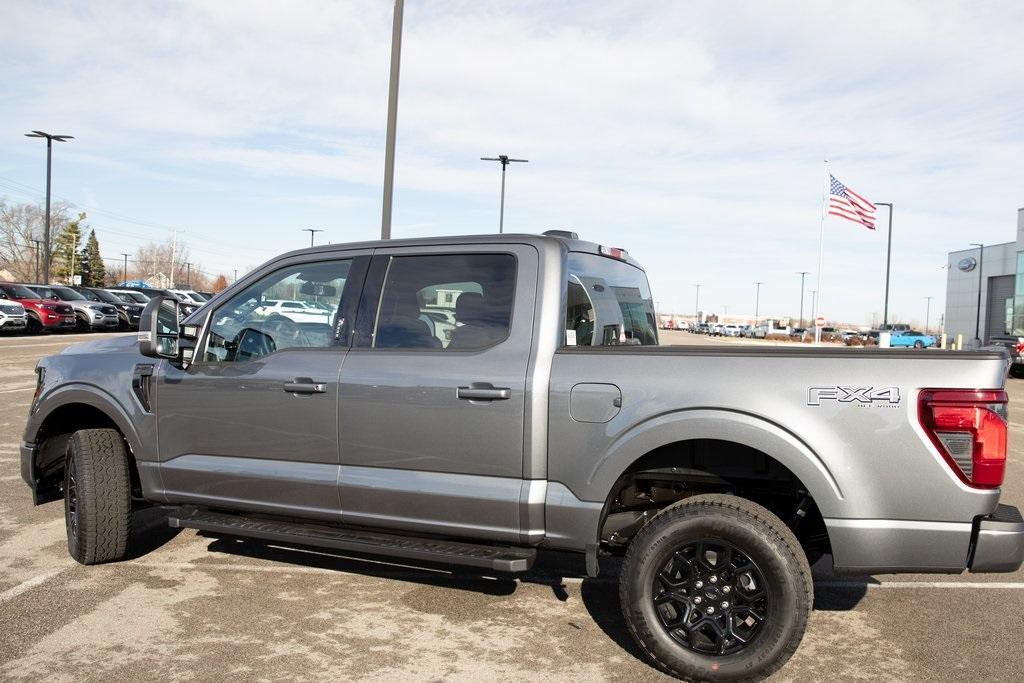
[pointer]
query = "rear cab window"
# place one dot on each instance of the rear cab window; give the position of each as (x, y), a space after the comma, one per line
(608, 302)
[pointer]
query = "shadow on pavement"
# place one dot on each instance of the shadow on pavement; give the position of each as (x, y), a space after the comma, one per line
(149, 532)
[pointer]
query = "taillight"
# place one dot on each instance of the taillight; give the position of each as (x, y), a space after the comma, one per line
(969, 429)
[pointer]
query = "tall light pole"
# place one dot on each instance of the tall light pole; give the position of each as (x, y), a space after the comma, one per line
(802, 274)
(188, 275)
(505, 161)
(37, 243)
(927, 313)
(312, 232)
(124, 273)
(696, 308)
(389, 145)
(757, 300)
(977, 313)
(46, 234)
(888, 257)
(814, 303)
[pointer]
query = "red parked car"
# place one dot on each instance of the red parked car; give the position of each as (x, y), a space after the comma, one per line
(42, 313)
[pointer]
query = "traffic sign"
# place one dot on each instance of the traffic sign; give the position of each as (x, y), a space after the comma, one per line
(819, 322)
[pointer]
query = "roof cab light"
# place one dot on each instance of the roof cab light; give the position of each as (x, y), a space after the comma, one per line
(614, 252)
(968, 427)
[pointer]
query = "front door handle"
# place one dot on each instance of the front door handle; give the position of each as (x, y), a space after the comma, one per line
(304, 385)
(482, 391)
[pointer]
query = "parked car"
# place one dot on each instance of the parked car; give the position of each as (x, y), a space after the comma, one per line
(798, 333)
(189, 296)
(130, 296)
(847, 335)
(730, 330)
(752, 332)
(187, 305)
(88, 315)
(128, 314)
(296, 311)
(702, 328)
(516, 437)
(12, 316)
(42, 314)
(908, 338)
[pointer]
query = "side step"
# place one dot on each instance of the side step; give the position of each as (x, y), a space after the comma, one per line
(497, 558)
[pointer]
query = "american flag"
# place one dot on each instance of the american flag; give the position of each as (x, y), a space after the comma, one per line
(845, 203)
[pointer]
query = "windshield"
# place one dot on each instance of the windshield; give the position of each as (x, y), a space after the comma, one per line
(18, 292)
(102, 295)
(608, 302)
(68, 294)
(133, 297)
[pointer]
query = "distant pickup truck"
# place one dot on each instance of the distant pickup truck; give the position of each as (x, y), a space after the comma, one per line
(547, 417)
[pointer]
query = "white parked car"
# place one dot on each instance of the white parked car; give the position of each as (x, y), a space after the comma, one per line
(296, 311)
(730, 330)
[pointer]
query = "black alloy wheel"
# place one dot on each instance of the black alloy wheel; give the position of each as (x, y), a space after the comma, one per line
(711, 598)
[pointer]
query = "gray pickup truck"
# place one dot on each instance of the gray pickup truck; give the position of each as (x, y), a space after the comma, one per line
(477, 400)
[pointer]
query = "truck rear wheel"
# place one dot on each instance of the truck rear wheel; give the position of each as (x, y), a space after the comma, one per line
(97, 496)
(716, 587)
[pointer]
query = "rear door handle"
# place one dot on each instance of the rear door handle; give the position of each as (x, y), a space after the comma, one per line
(481, 391)
(304, 385)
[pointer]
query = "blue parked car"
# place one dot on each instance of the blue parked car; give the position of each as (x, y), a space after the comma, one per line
(908, 338)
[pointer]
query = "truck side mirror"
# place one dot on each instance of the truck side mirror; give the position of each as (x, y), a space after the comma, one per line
(158, 328)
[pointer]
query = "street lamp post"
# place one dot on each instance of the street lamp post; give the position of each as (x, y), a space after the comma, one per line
(814, 303)
(392, 124)
(505, 161)
(124, 273)
(888, 256)
(188, 275)
(927, 312)
(802, 274)
(696, 308)
(37, 243)
(757, 300)
(46, 234)
(311, 231)
(977, 312)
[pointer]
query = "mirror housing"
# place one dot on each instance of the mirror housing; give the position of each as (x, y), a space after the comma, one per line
(158, 328)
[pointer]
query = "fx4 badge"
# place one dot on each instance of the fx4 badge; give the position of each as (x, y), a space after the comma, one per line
(882, 397)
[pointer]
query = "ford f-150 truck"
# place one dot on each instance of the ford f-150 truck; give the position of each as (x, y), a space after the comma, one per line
(548, 417)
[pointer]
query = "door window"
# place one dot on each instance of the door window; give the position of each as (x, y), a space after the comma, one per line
(454, 302)
(253, 324)
(608, 302)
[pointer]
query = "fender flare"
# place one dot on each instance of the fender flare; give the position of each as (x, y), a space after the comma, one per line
(90, 395)
(722, 425)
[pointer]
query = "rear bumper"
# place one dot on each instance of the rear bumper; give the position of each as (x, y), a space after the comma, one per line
(998, 543)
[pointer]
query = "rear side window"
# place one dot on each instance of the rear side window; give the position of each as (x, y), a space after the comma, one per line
(451, 301)
(608, 302)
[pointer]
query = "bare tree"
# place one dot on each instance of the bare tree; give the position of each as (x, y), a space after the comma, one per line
(21, 235)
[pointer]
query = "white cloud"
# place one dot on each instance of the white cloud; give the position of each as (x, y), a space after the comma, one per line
(690, 133)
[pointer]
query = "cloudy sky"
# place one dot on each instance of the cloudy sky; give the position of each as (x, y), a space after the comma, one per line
(691, 133)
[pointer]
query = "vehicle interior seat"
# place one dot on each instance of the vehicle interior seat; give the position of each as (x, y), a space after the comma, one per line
(402, 327)
(476, 323)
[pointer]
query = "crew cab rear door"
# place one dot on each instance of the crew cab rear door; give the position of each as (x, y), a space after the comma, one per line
(433, 392)
(252, 423)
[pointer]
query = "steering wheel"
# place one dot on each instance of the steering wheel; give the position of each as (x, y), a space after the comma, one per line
(285, 331)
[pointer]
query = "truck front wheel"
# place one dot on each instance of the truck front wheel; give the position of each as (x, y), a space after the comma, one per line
(97, 496)
(716, 587)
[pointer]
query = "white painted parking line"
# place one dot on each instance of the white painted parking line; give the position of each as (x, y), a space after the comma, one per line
(23, 387)
(29, 584)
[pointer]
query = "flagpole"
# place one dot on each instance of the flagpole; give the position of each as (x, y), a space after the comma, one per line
(821, 249)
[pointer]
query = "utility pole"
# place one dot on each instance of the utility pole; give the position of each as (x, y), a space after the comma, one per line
(389, 145)
(505, 161)
(802, 274)
(124, 273)
(46, 233)
(236, 275)
(696, 309)
(814, 303)
(188, 275)
(174, 248)
(311, 231)
(37, 243)
(74, 248)
(757, 300)
(927, 313)
(977, 312)
(888, 256)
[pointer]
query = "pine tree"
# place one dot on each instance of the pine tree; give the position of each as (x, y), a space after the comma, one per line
(94, 273)
(65, 249)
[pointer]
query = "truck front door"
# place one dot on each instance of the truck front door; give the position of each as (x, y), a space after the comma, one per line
(252, 424)
(434, 391)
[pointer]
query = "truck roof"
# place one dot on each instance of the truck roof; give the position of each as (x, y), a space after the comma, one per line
(544, 241)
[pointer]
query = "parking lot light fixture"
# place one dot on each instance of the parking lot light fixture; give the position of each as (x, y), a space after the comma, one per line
(757, 300)
(888, 258)
(802, 274)
(505, 161)
(696, 309)
(927, 312)
(46, 231)
(977, 312)
(312, 232)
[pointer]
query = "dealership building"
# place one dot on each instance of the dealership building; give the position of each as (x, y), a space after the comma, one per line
(997, 271)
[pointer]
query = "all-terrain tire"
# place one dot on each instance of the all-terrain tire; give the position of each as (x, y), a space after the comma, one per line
(97, 496)
(759, 535)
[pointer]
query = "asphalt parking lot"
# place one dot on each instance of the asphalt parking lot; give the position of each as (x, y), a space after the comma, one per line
(198, 607)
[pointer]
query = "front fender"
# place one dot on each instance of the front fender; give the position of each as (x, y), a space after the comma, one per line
(93, 396)
(723, 425)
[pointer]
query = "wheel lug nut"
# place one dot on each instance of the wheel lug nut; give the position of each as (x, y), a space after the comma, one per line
(697, 600)
(713, 579)
(726, 589)
(711, 610)
(699, 584)
(725, 605)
